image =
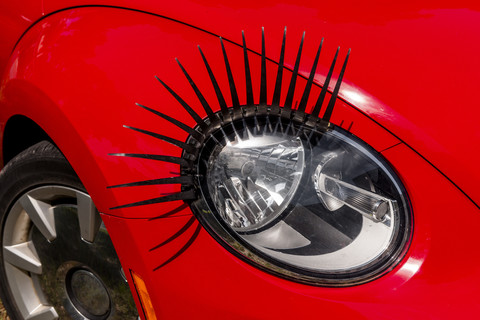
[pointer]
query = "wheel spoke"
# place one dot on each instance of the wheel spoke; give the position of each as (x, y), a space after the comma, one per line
(41, 214)
(45, 250)
(43, 313)
(23, 256)
(88, 217)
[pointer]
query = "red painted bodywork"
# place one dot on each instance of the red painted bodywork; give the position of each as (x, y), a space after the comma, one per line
(409, 90)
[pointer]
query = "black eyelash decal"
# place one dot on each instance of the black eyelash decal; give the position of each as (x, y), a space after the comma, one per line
(195, 134)
(218, 92)
(186, 195)
(156, 157)
(233, 89)
(291, 88)
(316, 111)
(274, 118)
(306, 93)
(278, 83)
(187, 147)
(171, 212)
(263, 73)
(177, 234)
(333, 98)
(350, 127)
(248, 76)
(183, 249)
(189, 109)
(185, 180)
(200, 96)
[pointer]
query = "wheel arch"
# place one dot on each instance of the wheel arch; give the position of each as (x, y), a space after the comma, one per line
(74, 78)
(20, 133)
(37, 103)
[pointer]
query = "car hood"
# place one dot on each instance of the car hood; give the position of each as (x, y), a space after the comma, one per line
(413, 67)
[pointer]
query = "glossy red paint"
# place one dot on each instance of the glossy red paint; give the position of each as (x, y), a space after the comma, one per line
(113, 55)
(413, 68)
(78, 73)
(427, 283)
(14, 20)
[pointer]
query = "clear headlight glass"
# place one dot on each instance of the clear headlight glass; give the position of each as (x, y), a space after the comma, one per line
(316, 205)
(252, 181)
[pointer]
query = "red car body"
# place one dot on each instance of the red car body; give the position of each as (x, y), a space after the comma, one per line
(77, 70)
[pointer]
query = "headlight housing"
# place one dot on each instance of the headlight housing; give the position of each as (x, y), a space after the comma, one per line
(313, 204)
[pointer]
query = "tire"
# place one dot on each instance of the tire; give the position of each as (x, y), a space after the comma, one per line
(57, 260)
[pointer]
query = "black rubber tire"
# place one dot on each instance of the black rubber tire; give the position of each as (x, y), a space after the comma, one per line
(41, 164)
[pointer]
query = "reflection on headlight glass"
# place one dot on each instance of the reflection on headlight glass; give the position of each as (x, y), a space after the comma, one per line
(253, 180)
(310, 201)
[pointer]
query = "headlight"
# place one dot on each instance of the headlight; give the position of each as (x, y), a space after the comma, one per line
(281, 187)
(317, 205)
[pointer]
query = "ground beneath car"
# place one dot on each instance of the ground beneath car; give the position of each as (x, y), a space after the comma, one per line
(3, 313)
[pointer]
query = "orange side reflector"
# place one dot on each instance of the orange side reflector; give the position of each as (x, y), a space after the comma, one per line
(144, 297)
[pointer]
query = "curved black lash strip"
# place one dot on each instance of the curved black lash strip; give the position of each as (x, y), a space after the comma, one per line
(216, 120)
(182, 249)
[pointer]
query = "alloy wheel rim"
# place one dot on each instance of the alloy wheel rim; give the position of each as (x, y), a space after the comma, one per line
(59, 260)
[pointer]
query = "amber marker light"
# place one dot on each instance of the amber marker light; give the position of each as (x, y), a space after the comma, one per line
(142, 292)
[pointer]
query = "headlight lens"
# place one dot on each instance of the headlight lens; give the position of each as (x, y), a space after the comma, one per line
(252, 181)
(316, 205)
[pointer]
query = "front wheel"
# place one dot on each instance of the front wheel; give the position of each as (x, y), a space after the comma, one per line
(57, 260)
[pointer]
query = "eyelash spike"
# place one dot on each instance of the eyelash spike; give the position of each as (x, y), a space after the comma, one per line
(248, 76)
(316, 111)
(263, 73)
(176, 235)
(183, 249)
(306, 93)
(187, 147)
(189, 109)
(218, 92)
(184, 180)
(278, 83)
(171, 212)
(184, 195)
(155, 157)
(200, 96)
(328, 113)
(196, 135)
(293, 80)
(233, 89)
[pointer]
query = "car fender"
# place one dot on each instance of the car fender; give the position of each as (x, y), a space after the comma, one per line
(79, 74)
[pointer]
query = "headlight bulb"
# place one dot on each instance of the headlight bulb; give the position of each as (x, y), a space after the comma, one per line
(335, 193)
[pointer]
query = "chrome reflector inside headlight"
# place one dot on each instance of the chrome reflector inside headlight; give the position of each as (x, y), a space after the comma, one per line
(252, 180)
(313, 204)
